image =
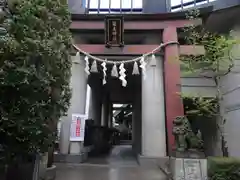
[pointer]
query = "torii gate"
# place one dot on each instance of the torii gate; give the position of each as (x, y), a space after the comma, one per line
(167, 25)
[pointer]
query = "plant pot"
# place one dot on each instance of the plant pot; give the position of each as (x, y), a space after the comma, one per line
(43, 165)
(22, 171)
(51, 173)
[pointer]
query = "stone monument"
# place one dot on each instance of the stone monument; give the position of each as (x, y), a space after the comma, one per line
(188, 160)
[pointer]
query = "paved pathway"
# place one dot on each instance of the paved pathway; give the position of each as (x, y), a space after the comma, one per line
(120, 165)
(98, 172)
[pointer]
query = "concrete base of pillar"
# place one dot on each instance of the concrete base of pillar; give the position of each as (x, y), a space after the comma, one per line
(179, 166)
(153, 162)
(75, 147)
(70, 158)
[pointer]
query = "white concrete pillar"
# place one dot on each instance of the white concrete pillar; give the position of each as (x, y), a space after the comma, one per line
(137, 123)
(153, 111)
(78, 102)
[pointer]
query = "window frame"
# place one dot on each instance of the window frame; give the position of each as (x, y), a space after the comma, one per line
(113, 10)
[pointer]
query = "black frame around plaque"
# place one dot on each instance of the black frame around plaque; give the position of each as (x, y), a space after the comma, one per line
(120, 31)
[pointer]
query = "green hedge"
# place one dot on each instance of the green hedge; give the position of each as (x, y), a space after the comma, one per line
(223, 168)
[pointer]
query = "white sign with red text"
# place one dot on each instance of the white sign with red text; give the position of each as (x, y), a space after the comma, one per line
(77, 127)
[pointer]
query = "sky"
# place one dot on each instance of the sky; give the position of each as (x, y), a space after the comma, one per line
(127, 3)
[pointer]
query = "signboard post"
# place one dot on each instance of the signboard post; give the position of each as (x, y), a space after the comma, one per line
(77, 130)
(114, 31)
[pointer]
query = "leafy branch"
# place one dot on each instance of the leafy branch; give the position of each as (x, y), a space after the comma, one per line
(216, 63)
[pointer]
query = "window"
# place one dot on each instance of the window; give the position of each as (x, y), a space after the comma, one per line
(135, 6)
(178, 5)
(114, 6)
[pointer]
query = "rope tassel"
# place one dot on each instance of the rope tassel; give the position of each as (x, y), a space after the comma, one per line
(104, 72)
(87, 65)
(76, 58)
(135, 69)
(122, 75)
(114, 72)
(122, 70)
(153, 61)
(94, 67)
(143, 66)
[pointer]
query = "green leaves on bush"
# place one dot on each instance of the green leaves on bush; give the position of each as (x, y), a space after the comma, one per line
(215, 63)
(200, 107)
(220, 168)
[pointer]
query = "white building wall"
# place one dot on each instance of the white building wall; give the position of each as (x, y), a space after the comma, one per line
(198, 86)
(231, 102)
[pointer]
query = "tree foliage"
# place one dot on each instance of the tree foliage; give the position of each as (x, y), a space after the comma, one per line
(216, 63)
(200, 107)
(35, 69)
(217, 60)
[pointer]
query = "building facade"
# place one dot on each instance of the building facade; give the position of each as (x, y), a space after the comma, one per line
(144, 6)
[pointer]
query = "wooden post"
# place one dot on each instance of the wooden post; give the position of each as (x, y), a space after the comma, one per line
(172, 78)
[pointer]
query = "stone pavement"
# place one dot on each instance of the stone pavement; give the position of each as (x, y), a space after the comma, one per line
(119, 165)
(103, 172)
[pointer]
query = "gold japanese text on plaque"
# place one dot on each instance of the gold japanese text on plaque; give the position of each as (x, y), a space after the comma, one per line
(114, 31)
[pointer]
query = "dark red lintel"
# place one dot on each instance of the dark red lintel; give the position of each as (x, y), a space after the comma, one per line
(135, 25)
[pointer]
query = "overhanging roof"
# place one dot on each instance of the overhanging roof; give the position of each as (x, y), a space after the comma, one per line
(223, 20)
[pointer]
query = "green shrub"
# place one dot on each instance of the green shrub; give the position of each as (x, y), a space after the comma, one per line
(35, 70)
(224, 168)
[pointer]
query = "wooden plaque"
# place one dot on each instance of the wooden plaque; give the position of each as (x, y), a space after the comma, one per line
(114, 31)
